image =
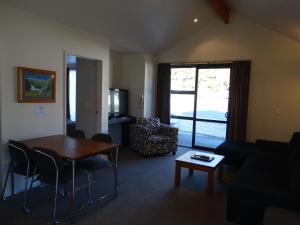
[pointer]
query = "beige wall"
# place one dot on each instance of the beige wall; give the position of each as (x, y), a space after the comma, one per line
(128, 73)
(274, 104)
(136, 73)
(149, 86)
(36, 42)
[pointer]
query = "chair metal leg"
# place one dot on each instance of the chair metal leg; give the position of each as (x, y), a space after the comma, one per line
(5, 184)
(89, 181)
(29, 191)
(12, 180)
(55, 202)
(25, 196)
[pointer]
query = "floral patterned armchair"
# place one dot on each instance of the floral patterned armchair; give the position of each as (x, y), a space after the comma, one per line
(150, 137)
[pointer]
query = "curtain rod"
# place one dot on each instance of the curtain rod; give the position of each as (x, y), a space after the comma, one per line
(203, 62)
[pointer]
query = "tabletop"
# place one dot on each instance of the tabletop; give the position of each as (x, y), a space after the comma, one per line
(71, 148)
(187, 158)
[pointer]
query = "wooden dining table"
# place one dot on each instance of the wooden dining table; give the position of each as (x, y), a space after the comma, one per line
(74, 149)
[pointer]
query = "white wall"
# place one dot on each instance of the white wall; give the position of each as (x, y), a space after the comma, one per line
(36, 42)
(274, 107)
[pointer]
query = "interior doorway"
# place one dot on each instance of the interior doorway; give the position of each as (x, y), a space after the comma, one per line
(199, 104)
(83, 92)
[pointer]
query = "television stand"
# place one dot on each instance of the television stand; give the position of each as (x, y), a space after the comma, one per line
(118, 128)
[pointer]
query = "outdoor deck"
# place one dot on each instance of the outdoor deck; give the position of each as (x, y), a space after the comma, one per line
(185, 139)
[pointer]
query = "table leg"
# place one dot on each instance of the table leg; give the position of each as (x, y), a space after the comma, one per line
(191, 172)
(220, 172)
(177, 174)
(210, 182)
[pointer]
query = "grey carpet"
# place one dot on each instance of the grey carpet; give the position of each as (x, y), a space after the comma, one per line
(147, 197)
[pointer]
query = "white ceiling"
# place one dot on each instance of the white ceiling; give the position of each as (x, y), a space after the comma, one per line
(153, 26)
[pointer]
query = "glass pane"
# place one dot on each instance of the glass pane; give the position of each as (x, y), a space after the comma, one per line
(209, 134)
(72, 94)
(213, 92)
(183, 79)
(185, 132)
(182, 105)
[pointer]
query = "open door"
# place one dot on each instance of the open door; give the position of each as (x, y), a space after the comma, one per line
(83, 95)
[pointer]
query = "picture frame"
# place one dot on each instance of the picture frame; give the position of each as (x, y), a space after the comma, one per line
(36, 85)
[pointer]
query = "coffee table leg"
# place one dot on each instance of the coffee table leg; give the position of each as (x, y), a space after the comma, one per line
(191, 172)
(210, 182)
(220, 172)
(177, 174)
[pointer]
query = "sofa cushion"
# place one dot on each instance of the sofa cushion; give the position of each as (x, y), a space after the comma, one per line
(293, 156)
(264, 172)
(295, 177)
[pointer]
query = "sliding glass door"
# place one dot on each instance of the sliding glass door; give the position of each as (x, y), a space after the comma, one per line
(183, 102)
(212, 106)
(199, 103)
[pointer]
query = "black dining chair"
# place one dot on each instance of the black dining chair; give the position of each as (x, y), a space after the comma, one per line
(52, 171)
(77, 134)
(21, 163)
(94, 163)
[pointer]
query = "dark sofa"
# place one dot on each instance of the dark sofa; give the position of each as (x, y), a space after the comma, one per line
(269, 177)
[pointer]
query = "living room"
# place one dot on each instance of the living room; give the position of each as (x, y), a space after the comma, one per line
(31, 36)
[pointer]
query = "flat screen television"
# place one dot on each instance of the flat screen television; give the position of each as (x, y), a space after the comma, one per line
(118, 102)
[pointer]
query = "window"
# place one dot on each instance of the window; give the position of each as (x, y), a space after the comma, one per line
(199, 103)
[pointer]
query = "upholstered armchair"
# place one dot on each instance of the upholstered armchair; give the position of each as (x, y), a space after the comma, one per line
(150, 137)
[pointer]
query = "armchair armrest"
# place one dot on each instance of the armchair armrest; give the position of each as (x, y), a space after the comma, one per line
(272, 146)
(168, 130)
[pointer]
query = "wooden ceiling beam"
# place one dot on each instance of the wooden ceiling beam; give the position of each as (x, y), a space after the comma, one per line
(221, 9)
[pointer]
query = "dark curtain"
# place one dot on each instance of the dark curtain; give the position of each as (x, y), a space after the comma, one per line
(163, 92)
(238, 101)
(68, 97)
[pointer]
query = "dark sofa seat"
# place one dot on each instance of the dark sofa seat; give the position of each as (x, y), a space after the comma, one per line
(269, 177)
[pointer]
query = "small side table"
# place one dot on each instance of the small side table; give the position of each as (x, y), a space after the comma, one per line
(186, 161)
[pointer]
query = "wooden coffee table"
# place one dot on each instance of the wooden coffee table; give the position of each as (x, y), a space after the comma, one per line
(193, 164)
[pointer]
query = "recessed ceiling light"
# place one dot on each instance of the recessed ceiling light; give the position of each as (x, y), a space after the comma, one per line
(195, 20)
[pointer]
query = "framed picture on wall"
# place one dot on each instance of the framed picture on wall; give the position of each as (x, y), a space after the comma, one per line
(35, 85)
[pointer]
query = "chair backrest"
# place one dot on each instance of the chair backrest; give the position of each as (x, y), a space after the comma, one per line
(47, 161)
(77, 134)
(150, 123)
(102, 137)
(20, 153)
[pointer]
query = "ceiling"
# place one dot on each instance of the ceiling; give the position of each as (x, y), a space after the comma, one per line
(153, 26)
(282, 16)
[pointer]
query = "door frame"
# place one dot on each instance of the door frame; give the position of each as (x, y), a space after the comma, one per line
(195, 92)
(98, 94)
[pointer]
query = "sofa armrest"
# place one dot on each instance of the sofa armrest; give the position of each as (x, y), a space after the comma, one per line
(280, 216)
(272, 146)
(168, 130)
